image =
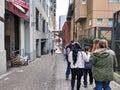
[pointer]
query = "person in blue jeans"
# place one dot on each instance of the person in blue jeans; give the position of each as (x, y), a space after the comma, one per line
(87, 69)
(68, 70)
(68, 48)
(64, 53)
(104, 85)
(103, 62)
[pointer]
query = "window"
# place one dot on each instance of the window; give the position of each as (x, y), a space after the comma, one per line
(43, 25)
(99, 21)
(90, 21)
(81, 27)
(114, 1)
(40, 23)
(37, 19)
(110, 22)
(83, 1)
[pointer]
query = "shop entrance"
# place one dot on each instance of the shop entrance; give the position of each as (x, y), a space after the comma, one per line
(43, 47)
(11, 35)
(37, 48)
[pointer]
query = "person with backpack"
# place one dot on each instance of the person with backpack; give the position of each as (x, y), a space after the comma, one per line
(87, 69)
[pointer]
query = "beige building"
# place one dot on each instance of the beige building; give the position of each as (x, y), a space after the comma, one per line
(90, 15)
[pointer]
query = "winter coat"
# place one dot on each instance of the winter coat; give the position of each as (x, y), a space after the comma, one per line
(103, 61)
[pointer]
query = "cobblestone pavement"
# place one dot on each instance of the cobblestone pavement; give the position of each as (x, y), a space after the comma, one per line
(44, 73)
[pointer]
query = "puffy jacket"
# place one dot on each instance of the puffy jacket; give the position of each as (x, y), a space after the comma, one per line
(103, 61)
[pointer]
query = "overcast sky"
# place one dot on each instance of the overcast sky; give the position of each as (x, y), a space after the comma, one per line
(62, 8)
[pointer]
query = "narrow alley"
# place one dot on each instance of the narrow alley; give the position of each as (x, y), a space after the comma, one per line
(45, 73)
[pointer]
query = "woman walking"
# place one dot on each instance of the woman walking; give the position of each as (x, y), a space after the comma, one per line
(103, 61)
(94, 48)
(77, 58)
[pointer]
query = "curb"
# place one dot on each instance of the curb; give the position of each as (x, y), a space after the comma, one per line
(4, 75)
(117, 78)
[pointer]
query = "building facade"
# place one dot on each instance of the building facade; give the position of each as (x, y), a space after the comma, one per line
(66, 33)
(2, 45)
(88, 15)
(26, 29)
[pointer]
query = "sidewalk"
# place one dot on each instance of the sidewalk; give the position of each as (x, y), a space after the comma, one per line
(63, 84)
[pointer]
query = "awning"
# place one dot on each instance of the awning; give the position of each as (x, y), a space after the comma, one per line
(10, 7)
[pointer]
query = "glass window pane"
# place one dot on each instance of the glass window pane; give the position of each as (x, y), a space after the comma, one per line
(116, 0)
(110, 0)
(110, 22)
(83, 1)
(90, 21)
(99, 21)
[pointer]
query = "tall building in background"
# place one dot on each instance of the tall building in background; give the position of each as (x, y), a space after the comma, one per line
(52, 14)
(62, 20)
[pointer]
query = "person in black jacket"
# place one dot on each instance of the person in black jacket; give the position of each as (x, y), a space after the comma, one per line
(68, 48)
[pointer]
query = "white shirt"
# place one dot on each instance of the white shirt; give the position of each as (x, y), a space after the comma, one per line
(64, 51)
(88, 54)
(80, 59)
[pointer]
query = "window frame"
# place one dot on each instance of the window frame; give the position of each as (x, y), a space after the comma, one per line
(114, 1)
(84, 2)
(99, 21)
(110, 22)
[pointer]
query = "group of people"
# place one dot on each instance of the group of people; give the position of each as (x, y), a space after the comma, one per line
(99, 62)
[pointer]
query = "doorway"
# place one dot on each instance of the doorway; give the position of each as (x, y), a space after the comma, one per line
(11, 35)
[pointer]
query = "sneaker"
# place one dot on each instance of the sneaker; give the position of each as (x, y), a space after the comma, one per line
(94, 88)
(72, 89)
(67, 77)
(85, 86)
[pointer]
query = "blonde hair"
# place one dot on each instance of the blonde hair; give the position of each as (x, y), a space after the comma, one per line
(103, 44)
(95, 44)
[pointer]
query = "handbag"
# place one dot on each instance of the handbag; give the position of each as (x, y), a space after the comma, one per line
(88, 65)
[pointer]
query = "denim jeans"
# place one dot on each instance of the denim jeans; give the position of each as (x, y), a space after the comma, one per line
(104, 85)
(64, 56)
(68, 71)
(87, 71)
